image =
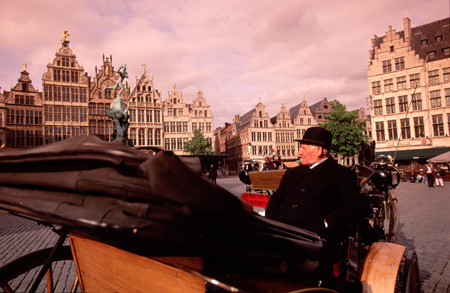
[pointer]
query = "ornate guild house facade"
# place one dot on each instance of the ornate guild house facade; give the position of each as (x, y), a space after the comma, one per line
(100, 100)
(145, 109)
(24, 114)
(65, 90)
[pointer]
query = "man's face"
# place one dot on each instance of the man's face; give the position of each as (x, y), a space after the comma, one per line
(309, 154)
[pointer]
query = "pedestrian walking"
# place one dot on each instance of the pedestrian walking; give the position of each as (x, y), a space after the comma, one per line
(428, 170)
(440, 173)
(212, 174)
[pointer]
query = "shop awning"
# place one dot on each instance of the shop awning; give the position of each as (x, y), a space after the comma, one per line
(414, 154)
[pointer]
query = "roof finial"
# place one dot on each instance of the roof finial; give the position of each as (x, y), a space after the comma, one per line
(64, 36)
(24, 65)
(143, 67)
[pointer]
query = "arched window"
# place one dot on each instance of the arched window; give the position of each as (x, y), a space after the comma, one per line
(141, 137)
(150, 137)
(200, 114)
(92, 127)
(133, 135)
(260, 113)
(101, 127)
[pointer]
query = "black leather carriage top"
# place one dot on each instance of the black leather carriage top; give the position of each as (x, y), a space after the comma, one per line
(148, 205)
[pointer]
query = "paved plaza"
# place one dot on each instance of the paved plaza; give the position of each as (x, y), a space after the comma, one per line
(424, 227)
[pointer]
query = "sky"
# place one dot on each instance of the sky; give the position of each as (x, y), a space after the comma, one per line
(237, 52)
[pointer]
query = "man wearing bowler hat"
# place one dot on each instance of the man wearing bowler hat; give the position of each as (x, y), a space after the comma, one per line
(319, 195)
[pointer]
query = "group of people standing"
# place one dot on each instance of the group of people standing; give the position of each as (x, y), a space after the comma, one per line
(433, 175)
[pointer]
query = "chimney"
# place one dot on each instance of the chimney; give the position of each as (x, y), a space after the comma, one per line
(407, 28)
(237, 117)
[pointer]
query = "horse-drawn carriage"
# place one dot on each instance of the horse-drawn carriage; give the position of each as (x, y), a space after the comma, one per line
(140, 222)
(379, 264)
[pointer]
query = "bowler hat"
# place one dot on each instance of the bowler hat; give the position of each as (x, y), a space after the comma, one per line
(317, 136)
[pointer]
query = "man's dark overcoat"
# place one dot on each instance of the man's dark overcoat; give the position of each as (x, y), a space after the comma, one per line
(306, 197)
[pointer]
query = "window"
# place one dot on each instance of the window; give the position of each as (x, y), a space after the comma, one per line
(378, 107)
(185, 126)
(432, 55)
(172, 127)
(402, 103)
(438, 125)
(141, 115)
(405, 128)
(446, 74)
(391, 49)
(424, 42)
(390, 106)
(414, 80)
(435, 99)
(448, 120)
(392, 129)
(433, 77)
(141, 136)
(74, 76)
(401, 83)
(388, 85)
(179, 126)
(400, 63)
(379, 128)
(133, 135)
(447, 97)
(419, 128)
(387, 67)
(416, 101)
(438, 39)
(446, 52)
(150, 137)
(376, 87)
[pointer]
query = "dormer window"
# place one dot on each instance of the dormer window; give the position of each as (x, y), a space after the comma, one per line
(438, 39)
(391, 48)
(432, 55)
(424, 42)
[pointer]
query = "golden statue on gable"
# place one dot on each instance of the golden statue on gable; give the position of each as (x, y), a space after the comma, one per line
(64, 36)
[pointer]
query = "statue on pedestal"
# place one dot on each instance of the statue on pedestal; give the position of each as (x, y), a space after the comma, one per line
(118, 110)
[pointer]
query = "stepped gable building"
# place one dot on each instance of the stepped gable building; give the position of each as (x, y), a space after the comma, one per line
(284, 131)
(145, 109)
(65, 90)
(202, 118)
(302, 119)
(100, 99)
(177, 122)
(24, 114)
(409, 84)
(253, 138)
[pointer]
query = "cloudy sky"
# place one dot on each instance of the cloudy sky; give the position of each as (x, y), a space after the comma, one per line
(234, 51)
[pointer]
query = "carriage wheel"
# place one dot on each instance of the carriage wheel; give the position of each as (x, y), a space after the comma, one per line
(408, 279)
